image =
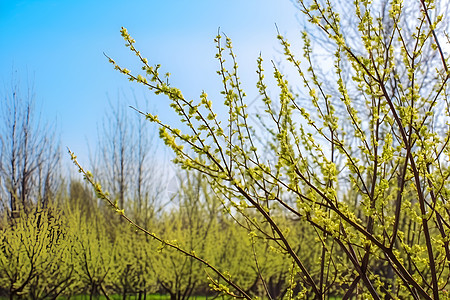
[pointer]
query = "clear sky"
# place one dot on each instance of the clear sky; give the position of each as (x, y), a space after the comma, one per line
(59, 46)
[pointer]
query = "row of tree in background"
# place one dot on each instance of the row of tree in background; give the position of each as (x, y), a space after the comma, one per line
(64, 251)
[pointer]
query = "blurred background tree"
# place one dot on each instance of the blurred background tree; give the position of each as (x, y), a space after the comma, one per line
(29, 152)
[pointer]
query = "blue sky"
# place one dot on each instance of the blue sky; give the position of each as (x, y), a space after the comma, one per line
(59, 46)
